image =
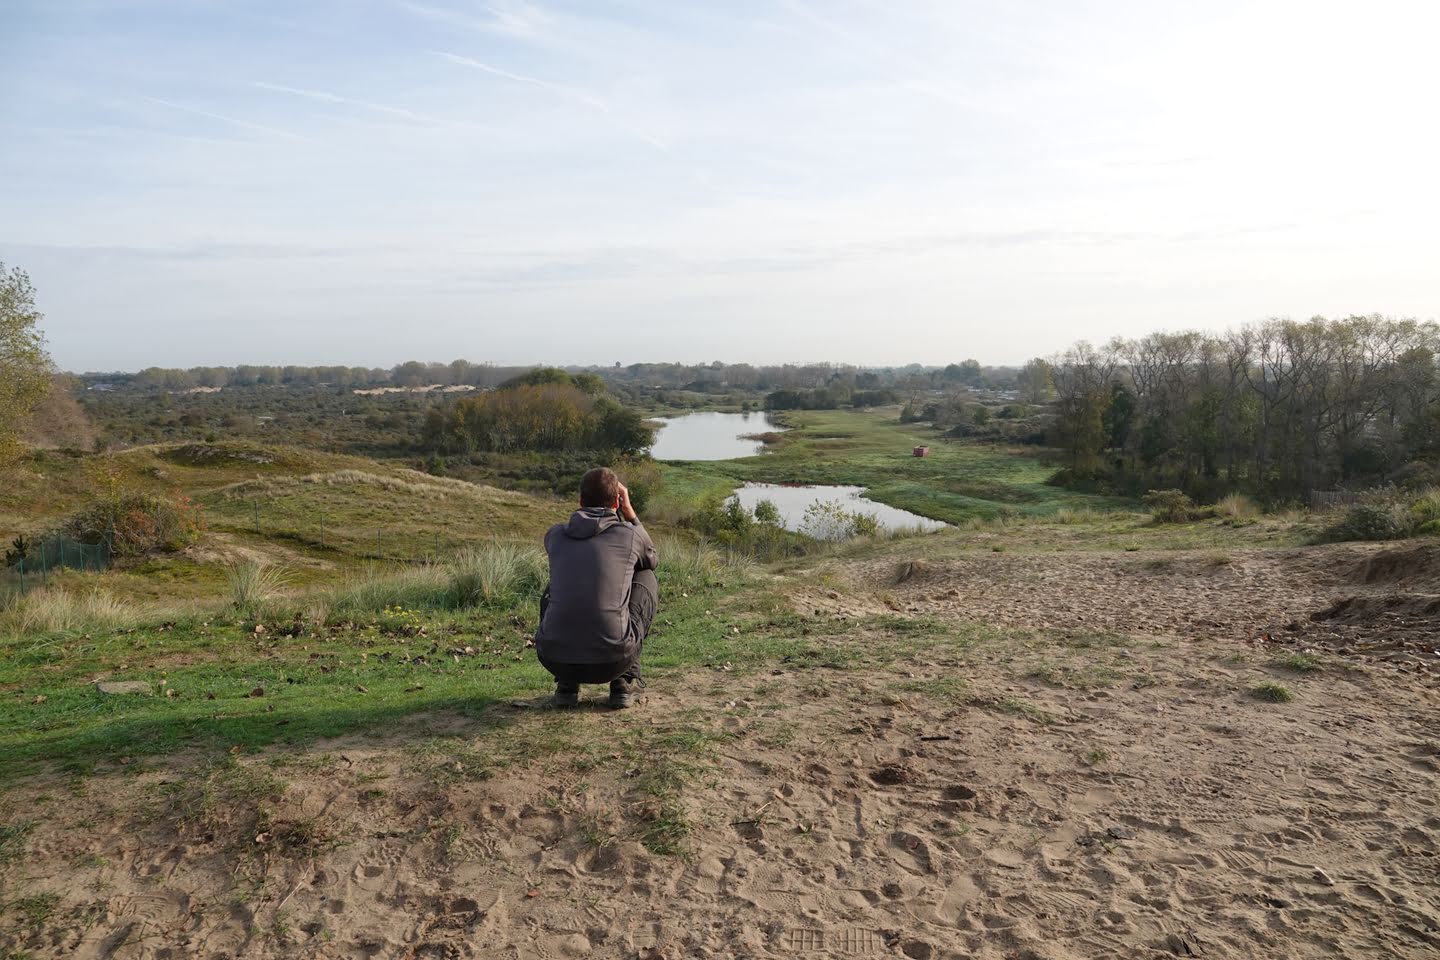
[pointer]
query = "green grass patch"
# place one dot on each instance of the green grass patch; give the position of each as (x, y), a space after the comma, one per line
(871, 448)
(1271, 692)
(1300, 662)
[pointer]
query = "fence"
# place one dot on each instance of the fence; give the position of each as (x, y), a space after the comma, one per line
(1325, 499)
(30, 564)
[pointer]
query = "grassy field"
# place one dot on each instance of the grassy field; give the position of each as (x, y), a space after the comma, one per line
(958, 481)
(348, 638)
(321, 663)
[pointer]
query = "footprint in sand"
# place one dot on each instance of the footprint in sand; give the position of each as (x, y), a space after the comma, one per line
(911, 852)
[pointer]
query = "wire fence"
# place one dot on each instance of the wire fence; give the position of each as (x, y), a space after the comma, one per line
(30, 564)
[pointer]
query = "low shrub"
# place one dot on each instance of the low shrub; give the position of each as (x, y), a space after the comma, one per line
(1425, 510)
(1375, 520)
(135, 524)
(1171, 506)
(830, 520)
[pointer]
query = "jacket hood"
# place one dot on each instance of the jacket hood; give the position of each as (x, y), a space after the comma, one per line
(589, 522)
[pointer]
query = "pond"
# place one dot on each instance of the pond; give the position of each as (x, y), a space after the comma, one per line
(794, 499)
(710, 436)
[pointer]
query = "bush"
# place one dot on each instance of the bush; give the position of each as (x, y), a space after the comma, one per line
(1170, 506)
(767, 514)
(1425, 511)
(829, 520)
(1375, 520)
(643, 479)
(138, 523)
(1416, 475)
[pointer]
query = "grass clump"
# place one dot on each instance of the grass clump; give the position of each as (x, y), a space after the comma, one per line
(1272, 692)
(253, 585)
(687, 567)
(496, 574)
(373, 591)
(1300, 662)
(1095, 757)
(1236, 507)
(57, 610)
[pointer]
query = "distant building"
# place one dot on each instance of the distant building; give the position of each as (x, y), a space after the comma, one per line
(922, 451)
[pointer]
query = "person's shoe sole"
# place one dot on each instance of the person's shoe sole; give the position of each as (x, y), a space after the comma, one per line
(621, 701)
(565, 703)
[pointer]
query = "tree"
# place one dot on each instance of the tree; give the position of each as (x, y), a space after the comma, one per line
(1035, 381)
(25, 369)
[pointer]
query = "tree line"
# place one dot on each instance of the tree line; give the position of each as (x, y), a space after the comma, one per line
(1277, 408)
(698, 378)
(412, 373)
(543, 410)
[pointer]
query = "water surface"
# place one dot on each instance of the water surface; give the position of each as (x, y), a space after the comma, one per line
(710, 436)
(794, 499)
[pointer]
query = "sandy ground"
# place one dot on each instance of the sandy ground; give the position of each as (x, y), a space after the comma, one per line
(1097, 783)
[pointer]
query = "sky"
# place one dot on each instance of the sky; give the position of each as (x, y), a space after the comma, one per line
(878, 182)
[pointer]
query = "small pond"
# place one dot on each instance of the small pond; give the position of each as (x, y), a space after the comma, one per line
(794, 499)
(710, 436)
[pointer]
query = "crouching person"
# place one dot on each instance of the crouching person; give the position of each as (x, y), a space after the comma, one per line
(602, 596)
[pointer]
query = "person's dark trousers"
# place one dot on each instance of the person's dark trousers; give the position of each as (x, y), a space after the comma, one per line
(644, 600)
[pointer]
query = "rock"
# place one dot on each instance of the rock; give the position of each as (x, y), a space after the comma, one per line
(1323, 878)
(113, 687)
(1121, 833)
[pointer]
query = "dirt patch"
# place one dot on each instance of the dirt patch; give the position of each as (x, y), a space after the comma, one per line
(222, 548)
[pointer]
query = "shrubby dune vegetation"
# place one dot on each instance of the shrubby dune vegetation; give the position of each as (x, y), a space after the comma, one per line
(1276, 409)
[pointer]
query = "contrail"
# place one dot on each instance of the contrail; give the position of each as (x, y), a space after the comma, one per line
(337, 98)
(220, 116)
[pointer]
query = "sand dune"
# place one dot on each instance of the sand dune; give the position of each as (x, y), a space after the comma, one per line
(1097, 782)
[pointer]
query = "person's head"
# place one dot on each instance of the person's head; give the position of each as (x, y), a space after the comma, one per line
(600, 488)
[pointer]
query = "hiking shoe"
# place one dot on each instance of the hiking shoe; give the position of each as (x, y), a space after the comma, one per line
(624, 691)
(566, 696)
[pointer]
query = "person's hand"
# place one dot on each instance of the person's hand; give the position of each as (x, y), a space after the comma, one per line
(627, 512)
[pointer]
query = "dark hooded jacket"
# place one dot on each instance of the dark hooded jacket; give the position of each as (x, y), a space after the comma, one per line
(593, 560)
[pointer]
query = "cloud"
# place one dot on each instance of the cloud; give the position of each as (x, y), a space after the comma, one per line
(246, 124)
